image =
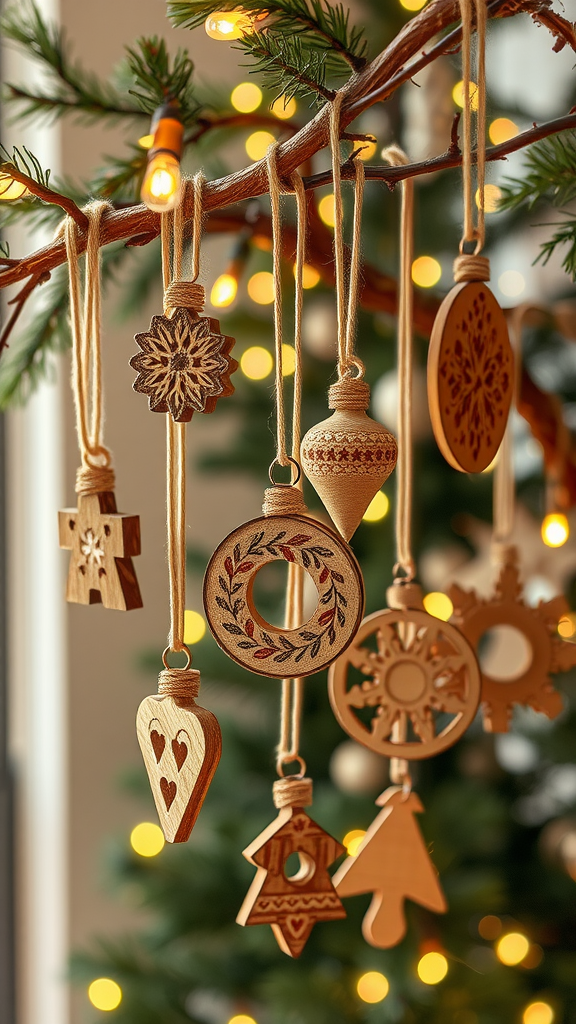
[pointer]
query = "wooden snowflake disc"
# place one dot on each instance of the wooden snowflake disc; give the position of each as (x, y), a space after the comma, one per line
(244, 634)
(470, 377)
(185, 364)
(549, 653)
(419, 668)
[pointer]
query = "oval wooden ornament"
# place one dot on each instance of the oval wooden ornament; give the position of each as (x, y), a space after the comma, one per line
(244, 634)
(418, 668)
(470, 377)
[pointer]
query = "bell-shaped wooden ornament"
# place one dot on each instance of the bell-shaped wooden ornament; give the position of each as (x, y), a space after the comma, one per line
(348, 456)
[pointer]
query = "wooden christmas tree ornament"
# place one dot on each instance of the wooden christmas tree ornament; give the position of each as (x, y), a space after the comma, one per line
(470, 362)
(292, 903)
(393, 863)
(102, 541)
(181, 745)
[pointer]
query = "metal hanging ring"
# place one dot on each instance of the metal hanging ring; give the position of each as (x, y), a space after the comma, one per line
(276, 462)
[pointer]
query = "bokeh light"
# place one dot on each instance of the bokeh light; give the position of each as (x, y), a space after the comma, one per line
(241, 1018)
(246, 97)
(326, 210)
(283, 108)
(458, 95)
(432, 968)
(412, 5)
(224, 290)
(538, 1012)
(258, 143)
(555, 529)
(492, 196)
(147, 839)
(256, 363)
(11, 189)
(261, 288)
(377, 508)
(310, 276)
(373, 987)
(511, 283)
(194, 626)
(426, 271)
(439, 605)
(490, 927)
(105, 994)
(567, 626)
(512, 948)
(352, 841)
(501, 130)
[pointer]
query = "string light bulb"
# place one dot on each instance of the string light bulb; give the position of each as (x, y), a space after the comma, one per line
(228, 25)
(555, 529)
(224, 290)
(163, 180)
(11, 189)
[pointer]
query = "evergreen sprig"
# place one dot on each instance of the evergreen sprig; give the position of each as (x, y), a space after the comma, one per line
(287, 66)
(23, 160)
(158, 78)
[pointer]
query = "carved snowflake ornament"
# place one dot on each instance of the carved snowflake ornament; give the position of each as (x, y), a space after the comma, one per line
(185, 364)
(549, 653)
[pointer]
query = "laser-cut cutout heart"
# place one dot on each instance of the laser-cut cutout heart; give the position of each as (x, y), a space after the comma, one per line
(168, 792)
(158, 743)
(180, 751)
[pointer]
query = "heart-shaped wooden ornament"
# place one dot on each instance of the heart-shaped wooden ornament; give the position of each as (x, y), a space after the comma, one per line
(181, 747)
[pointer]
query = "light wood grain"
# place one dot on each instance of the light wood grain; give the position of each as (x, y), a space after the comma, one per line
(392, 863)
(102, 543)
(181, 747)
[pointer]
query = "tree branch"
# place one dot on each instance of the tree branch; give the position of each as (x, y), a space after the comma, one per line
(48, 195)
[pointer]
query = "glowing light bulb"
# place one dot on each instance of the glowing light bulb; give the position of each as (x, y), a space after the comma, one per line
(11, 189)
(353, 840)
(288, 360)
(432, 968)
(258, 143)
(439, 605)
(162, 180)
(555, 529)
(147, 839)
(194, 626)
(310, 276)
(373, 987)
(326, 210)
(224, 290)
(105, 994)
(511, 283)
(377, 508)
(458, 95)
(426, 271)
(246, 97)
(261, 288)
(512, 948)
(502, 129)
(283, 108)
(492, 197)
(228, 25)
(146, 141)
(538, 1013)
(567, 626)
(256, 363)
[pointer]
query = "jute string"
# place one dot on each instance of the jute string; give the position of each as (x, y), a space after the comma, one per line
(404, 470)
(95, 473)
(182, 684)
(473, 232)
(292, 792)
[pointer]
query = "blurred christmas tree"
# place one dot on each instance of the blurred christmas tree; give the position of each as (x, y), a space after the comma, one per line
(500, 812)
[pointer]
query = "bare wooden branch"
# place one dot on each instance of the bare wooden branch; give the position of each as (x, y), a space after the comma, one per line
(48, 195)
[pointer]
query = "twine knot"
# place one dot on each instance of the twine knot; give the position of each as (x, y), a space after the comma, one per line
(349, 393)
(283, 501)
(185, 293)
(292, 792)
(94, 479)
(181, 683)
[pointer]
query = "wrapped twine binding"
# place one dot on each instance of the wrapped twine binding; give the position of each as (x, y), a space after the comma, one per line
(283, 501)
(181, 683)
(349, 393)
(292, 792)
(471, 268)
(94, 479)
(185, 294)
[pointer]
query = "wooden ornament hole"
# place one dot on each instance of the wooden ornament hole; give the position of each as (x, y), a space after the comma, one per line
(267, 592)
(299, 868)
(505, 654)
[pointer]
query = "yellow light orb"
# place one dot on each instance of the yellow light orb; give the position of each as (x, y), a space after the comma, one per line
(256, 363)
(224, 290)
(147, 839)
(283, 108)
(310, 276)
(490, 927)
(567, 626)
(246, 97)
(373, 987)
(426, 271)
(162, 181)
(555, 529)
(492, 197)
(511, 283)
(11, 189)
(458, 95)
(512, 948)
(258, 143)
(105, 994)
(538, 1013)
(368, 149)
(241, 1018)
(261, 288)
(432, 968)
(326, 210)
(194, 626)
(227, 25)
(412, 5)
(288, 360)
(439, 605)
(377, 508)
(502, 129)
(353, 840)
(146, 141)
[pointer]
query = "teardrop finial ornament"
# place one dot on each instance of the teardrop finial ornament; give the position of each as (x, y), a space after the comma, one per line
(348, 456)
